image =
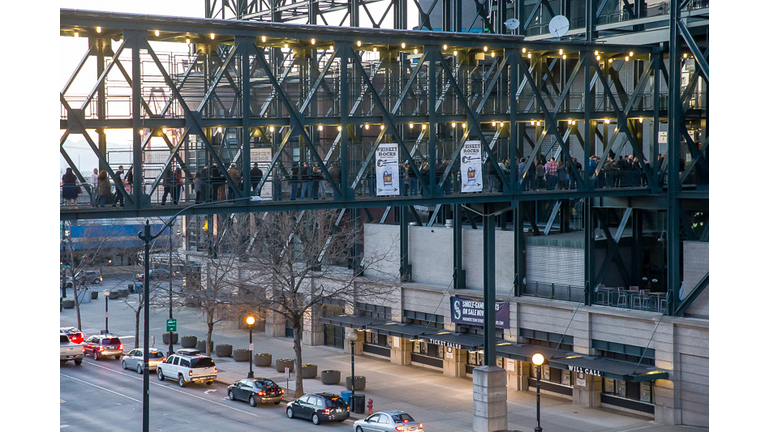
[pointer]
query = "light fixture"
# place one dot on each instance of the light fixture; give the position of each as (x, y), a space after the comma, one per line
(77, 34)
(312, 41)
(98, 29)
(374, 49)
(402, 45)
(455, 53)
(367, 126)
(338, 128)
(626, 58)
(331, 47)
(213, 36)
(598, 58)
(537, 359)
(464, 125)
(271, 128)
(631, 53)
(529, 55)
(563, 56)
(382, 127)
(445, 47)
(538, 123)
(319, 127)
(524, 50)
(415, 50)
(285, 46)
(263, 38)
(218, 130)
(453, 124)
(157, 32)
(597, 53)
(423, 126)
(561, 51)
(188, 41)
(485, 49)
(610, 60)
(493, 53)
(685, 55)
(493, 124)
(359, 43)
(640, 119)
(533, 122)
(410, 125)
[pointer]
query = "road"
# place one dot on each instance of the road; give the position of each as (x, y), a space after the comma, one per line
(100, 395)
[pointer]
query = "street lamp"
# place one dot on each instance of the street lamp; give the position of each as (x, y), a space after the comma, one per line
(106, 293)
(170, 285)
(250, 320)
(352, 336)
(538, 360)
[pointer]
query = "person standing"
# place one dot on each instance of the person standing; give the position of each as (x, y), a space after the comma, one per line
(118, 190)
(335, 173)
(103, 188)
(213, 179)
(277, 181)
(304, 180)
(562, 176)
(256, 176)
(294, 179)
(95, 187)
(520, 172)
(205, 180)
(234, 174)
(129, 179)
(69, 187)
(199, 188)
(167, 184)
(177, 182)
(551, 170)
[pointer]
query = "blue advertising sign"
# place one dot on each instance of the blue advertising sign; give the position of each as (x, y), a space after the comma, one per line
(467, 311)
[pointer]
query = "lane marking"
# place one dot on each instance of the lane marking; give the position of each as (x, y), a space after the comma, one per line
(100, 387)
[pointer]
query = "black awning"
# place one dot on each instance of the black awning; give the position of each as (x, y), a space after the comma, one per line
(469, 342)
(608, 368)
(524, 352)
(351, 321)
(407, 331)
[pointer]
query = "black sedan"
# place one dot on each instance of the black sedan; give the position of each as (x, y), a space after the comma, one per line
(256, 391)
(319, 407)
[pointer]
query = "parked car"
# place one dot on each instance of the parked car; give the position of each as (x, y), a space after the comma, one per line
(386, 421)
(69, 350)
(319, 407)
(103, 345)
(187, 369)
(74, 334)
(85, 276)
(135, 359)
(256, 391)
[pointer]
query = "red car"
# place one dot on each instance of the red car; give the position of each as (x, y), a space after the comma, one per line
(74, 335)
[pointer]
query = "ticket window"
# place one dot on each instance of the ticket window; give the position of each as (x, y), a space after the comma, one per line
(427, 349)
(629, 390)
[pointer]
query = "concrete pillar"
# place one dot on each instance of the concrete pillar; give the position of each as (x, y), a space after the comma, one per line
(274, 325)
(586, 390)
(400, 352)
(489, 399)
(358, 344)
(313, 330)
(454, 362)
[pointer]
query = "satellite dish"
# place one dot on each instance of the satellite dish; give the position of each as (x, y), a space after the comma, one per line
(512, 23)
(559, 26)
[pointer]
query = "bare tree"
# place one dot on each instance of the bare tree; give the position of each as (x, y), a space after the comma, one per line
(293, 264)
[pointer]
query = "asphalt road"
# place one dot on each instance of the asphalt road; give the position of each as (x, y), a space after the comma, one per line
(100, 395)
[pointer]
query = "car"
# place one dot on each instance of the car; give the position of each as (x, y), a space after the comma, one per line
(188, 369)
(386, 421)
(135, 359)
(103, 345)
(74, 334)
(256, 391)
(69, 350)
(86, 276)
(318, 407)
(156, 274)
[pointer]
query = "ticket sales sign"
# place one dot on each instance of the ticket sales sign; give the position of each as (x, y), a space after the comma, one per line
(471, 312)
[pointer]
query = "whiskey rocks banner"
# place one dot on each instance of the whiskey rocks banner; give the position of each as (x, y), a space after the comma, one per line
(471, 167)
(387, 173)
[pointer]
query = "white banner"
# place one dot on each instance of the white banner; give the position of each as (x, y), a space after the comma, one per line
(264, 157)
(471, 167)
(387, 172)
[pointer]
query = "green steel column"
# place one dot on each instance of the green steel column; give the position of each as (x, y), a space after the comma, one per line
(434, 58)
(489, 285)
(655, 182)
(673, 158)
(344, 50)
(589, 253)
(405, 265)
(245, 45)
(519, 248)
(137, 41)
(457, 11)
(591, 21)
(459, 274)
(101, 105)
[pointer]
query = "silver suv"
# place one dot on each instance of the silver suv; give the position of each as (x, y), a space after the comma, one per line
(187, 368)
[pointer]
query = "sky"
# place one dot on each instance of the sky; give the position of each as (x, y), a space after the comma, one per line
(30, 215)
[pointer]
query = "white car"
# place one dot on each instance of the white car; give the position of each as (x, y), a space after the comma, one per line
(388, 421)
(135, 359)
(188, 369)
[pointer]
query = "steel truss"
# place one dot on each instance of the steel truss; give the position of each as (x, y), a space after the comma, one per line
(329, 95)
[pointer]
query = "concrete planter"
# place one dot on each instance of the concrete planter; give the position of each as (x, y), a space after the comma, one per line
(281, 364)
(68, 303)
(224, 350)
(122, 292)
(308, 371)
(201, 346)
(166, 336)
(359, 383)
(262, 359)
(94, 295)
(114, 295)
(240, 355)
(330, 377)
(188, 341)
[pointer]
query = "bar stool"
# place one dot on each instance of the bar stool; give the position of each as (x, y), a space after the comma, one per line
(601, 293)
(622, 300)
(642, 298)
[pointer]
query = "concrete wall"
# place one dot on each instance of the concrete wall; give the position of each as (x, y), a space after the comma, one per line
(695, 266)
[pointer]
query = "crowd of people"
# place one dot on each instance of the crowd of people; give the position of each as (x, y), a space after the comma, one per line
(307, 181)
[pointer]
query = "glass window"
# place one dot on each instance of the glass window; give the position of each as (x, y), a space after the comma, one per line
(185, 362)
(202, 362)
(304, 399)
(155, 354)
(401, 418)
(374, 418)
(176, 360)
(384, 419)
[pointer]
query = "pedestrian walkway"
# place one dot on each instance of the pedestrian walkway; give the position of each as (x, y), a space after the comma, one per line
(443, 404)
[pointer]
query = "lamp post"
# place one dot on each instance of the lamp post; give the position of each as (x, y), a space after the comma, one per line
(106, 293)
(250, 320)
(147, 237)
(352, 336)
(538, 360)
(170, 285)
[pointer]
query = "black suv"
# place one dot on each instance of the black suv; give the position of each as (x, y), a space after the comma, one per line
(103, 345)
(86, 277)
(319, 407)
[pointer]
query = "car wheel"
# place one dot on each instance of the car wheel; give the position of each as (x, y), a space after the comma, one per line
(139, 369)
(95, 356)
(78, 362)
(277, 403)
(123, 364)
(208, 382)
(181, 381)
(252, 401)
(117, 357)
(63, 362)
(289, 413)
(315, 419)
(96, 281)
(358, 429)
(160, 375)
(231, 395)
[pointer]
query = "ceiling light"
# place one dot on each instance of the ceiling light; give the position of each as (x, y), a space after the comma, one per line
(157, 32)
(485, 49)
(529, 55)
(493, 53)
(312, 41)
(98, 29)
(445, 47)
(188, 41)
(410, 125)
(77, 34)
(319, 127)
(631, 53)
(263, 38)
(523, 50)
(338, 128)
(455, 53)
(374, 49)
(271, 128)
(626, 58)
(415, 50)
(367, 126)
(213, 36)
(561, 51)
(359, 43)
(453, 124)
(597, 53)
(423, 126)
(402, 45)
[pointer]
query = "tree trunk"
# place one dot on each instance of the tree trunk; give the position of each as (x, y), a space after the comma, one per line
(209, 319)
(136, 338)
(297, 349)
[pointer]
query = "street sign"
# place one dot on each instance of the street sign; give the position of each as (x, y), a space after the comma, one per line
(170, 325)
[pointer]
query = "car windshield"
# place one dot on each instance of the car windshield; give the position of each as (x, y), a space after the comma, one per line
(156, 354)
(267, 383)
(110, 341)
(402, 418)
(335, 403)
(202, 362)
(63, 338)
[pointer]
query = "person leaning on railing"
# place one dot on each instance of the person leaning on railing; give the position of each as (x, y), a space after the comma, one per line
(104, 188)
(69, 188)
